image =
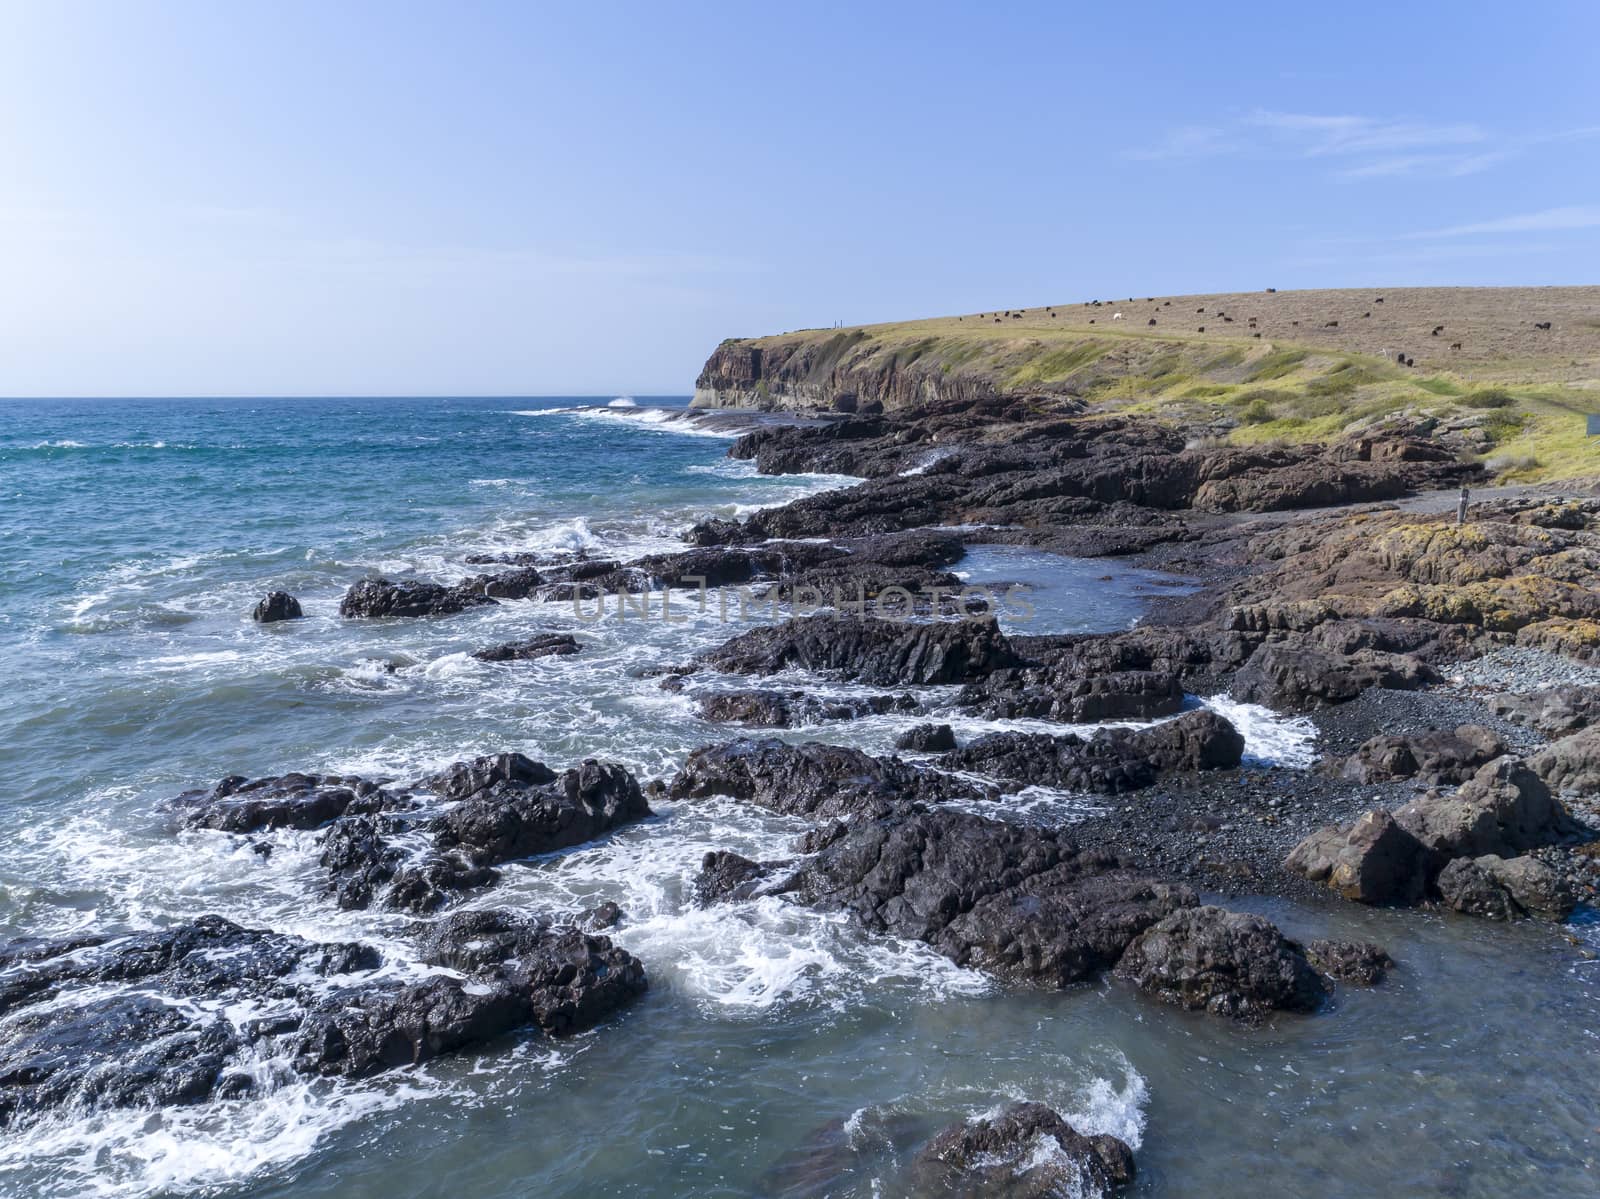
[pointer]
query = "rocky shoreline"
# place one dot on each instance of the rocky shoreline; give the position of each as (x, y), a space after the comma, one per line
(1451, 672)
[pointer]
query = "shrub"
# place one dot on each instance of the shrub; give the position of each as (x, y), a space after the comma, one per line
(1488, 397)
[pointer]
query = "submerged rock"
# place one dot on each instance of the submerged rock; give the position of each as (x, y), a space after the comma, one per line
(1112, 761)
(1027, 1151)
(276, 605)
(384, 597)
(543, 645)
(1359, 962)
(1227, 963)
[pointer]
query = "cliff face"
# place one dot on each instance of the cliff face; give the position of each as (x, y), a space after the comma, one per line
(856, 370)
(1413, 344)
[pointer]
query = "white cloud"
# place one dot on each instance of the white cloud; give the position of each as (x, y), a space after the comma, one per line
(1356, 147)
(1548, 220)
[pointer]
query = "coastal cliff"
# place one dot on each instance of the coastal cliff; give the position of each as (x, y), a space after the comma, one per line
(1512, 370)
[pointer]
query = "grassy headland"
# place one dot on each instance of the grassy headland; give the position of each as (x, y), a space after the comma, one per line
(1250, 367)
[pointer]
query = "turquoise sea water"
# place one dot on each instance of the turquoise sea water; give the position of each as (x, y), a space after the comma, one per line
(779, 1052)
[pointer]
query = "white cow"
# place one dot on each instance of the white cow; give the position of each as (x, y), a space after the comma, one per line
(1116, 316)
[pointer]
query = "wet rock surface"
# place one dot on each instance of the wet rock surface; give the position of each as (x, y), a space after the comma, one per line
(275, 606)
(764, 708)
(157, 1026)
(543, 645)
(384, 597)
(300, 801)
(1111, 761)
(881, 653)
(1227, 963)
(813, 779)
(1026, 1151)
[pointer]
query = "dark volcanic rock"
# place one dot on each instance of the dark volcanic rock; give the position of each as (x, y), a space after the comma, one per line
(134, 1041)
(1112, 761)
(1359, 962)
(725, 877)
(1506, 888)
(1021, 903)
(927, 739)
(277, 605)
(1434, 757)
(300, 801)
(783, 709)
(1297, 678)
(881, 653)
(1228, 963)
(1000, 1156)
(812, 779)
(541, 646)
(511, 807)
(505, 807)
(383, 597)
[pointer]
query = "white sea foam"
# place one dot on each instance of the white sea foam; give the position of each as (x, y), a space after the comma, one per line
(1270, 739)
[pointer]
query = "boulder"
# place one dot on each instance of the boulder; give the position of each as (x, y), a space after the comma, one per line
(276, 605)
(298, 801)
(1374, 860)
(1112, 761)
(543, 645)
(726, 877)
(927, 739)
(384, 597)
(1227, 963)
(1572, 764)
(1023, 904)
(1504, 809)
(1433, 757)
(1553, 711)
(510, 807)
(1506, 889)
(1359, 962)
(760, 708)
(1026, 1151)
(813, 779)
(1300, 678)
(882, 653)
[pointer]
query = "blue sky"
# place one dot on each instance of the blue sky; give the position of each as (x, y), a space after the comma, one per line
(476, 198)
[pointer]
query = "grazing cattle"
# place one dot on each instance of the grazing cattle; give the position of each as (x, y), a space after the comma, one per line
(1202, 329)
(1294, 322)
(1331, 325)
(1365, 315)
(1091, 320)
(1379, 300)
(1152, 320)
(1200, 311)
(1228, 319)
(1400, 358)
(1257, 336)
(1545, 325)
(1455, 345)
(1116, 316)
(1052, 316)
(1271, 290)
(1411, 362)
(997, 320)
(1438, 329)
(1166, 303)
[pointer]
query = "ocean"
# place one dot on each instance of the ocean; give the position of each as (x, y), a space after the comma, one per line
(779, 1051)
